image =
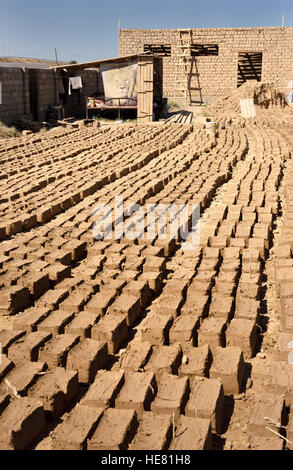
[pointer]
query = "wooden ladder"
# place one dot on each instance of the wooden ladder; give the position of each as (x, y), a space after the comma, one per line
(184, 67)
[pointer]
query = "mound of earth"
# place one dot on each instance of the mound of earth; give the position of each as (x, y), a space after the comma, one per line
(265, 95)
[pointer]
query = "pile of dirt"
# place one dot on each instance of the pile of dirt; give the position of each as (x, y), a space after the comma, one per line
(265, 95)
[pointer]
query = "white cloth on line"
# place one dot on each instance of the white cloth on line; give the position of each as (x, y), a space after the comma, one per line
(75, 83)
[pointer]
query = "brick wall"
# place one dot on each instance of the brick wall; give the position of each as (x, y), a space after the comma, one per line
(218, 74)
(15, 93)
(42, 92)
(31, 92)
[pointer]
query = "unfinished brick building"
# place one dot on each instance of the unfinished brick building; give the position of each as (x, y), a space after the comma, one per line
(211, 62)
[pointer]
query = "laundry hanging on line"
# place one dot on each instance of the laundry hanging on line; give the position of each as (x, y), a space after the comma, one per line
(75, 83)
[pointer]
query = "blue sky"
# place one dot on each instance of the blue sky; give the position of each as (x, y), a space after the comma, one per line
(87, 29)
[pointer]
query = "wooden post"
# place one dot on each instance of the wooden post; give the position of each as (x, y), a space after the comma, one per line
(56, 56)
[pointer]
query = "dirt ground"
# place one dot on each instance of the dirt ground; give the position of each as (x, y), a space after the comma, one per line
(139, 341)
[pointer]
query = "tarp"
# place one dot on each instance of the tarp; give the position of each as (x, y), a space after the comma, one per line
(120, 81)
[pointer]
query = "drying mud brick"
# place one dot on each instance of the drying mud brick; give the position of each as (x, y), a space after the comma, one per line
(129, 306)
(137, 392)
(52, 298)
(113, 285)
(195, 361)
(154, 264)
(30, 319)
(115, 430)
(247, 291)
(279, 380)
(55, 390)
(184, 330)
(22, 377)
(27, 347)
(55, 351)
(247, 309)
(100, 302)
(192, 434)
(169, 305)
(221, 306)
(212, 333)
(78, 426)
(141, 289)
(81, 325)
(167, 245)
(283, 346)
(225, 288)
(21, 422)
(242, 333)
(154, 280)
(13, 300)
(59, 256)
(176, 287)
(5, 367)
(56, 322)
(58, 272)
(104, 390)
(268, 411)
(74, 303)
(172, 395)
(37, 283)
(228, 366)
(87, 358)
(154, 432)
(77, 249)
(135, 357)
(196, 303)
(165, 359)
(155, 328)
(8, 337)
(111, 329)
(207, 401)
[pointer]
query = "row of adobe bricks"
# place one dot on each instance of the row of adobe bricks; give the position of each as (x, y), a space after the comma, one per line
(30, 150)
(155, 387)
(27, 254)
(102, 146)
(68, 198)
(284, 261)
(29, 221)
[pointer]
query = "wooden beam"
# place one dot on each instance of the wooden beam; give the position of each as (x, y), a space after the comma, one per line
(97, 63)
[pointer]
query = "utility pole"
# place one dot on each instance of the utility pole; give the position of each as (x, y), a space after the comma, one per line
(56, 56)
(119, 27)
(283, 21)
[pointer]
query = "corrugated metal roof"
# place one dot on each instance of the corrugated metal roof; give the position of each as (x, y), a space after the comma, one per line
(95, 64)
